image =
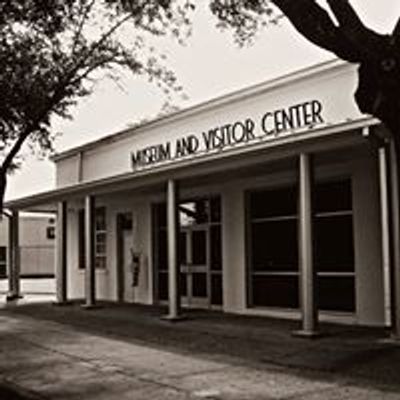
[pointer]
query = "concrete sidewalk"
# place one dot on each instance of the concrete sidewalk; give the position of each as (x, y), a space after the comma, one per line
(127, 352)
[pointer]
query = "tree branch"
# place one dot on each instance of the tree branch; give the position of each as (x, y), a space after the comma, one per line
(81, 24)
(313, 22)
(396, 35)
(367, 42)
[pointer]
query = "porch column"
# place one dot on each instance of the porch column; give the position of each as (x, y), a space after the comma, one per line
(173, 261)
(61, 253)
(13, 258)
(385, 233)
(306, 265)
(90, 272)
(395, 242)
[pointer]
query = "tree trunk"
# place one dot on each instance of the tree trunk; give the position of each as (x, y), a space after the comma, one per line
(3, 185)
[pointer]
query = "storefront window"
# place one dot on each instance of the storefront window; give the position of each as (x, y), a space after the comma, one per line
(334, 251)
(273, 245)
(273, 248)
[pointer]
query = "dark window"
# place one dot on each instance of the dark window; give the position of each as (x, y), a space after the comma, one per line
(199, 247)
(216, 247)
(199, 282)
(333, 196)
(273, 203)
(100, 239)
(215, 209)
(3, 261)
(276, 291)
(50, 232)
(81, 238)
(336, 293)
(334, 243)
(163, 286)
(274, 247)
(216, 288)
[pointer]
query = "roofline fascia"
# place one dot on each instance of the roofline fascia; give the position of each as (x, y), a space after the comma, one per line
(234, 96)
(71, 190)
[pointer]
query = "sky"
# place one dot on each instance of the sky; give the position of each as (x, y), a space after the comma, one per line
(209, 65)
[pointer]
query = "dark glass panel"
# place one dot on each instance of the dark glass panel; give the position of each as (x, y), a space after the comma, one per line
(100, 248)
(81, 238)
(100, 219)
(183, 284)
(126, 221)
(160, 215)
(162, 256)
(273, 203)
(216, 289)
(334, 244)
(336, 293)
(3, 270)
(276, 291)
(163, 286)
(199, 284)
(183, 248)
(215, 209)
(274, 246)
(333, 196)
(199, 247)
(216, 248)
(3, 254)
(100, 262)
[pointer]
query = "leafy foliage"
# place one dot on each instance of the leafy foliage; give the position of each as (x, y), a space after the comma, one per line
(245, 17)
(51, 51)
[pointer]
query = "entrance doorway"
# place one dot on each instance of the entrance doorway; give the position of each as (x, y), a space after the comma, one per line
(195, 266)
(200, 254)
(124, 247)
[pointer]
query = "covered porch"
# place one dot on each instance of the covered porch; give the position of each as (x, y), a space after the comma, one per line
(299, 158)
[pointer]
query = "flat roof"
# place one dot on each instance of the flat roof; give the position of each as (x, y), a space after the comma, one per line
(234, 96)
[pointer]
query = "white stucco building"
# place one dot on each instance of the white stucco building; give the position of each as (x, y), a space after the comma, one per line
(282, 206)
(36, 245)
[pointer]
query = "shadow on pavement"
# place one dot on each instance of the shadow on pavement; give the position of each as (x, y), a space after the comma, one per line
(350, 353)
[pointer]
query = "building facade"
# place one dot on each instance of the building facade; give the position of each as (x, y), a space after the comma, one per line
(273, 200)
(37, 238)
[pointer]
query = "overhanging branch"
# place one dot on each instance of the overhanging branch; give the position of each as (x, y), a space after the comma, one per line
(314, 23)
(367, 42)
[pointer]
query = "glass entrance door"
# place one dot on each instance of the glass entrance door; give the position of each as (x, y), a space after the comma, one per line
(200, 252)
(194, 266)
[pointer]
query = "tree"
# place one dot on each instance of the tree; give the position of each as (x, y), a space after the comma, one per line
(377, 55)
(51, 52)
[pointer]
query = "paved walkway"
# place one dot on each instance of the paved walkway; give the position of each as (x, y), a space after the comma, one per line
(127, 352)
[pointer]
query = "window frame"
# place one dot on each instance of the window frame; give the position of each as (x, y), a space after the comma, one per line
(98, 232)
(251, 273)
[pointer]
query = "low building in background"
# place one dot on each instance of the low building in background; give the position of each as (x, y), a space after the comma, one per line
(36, 245)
